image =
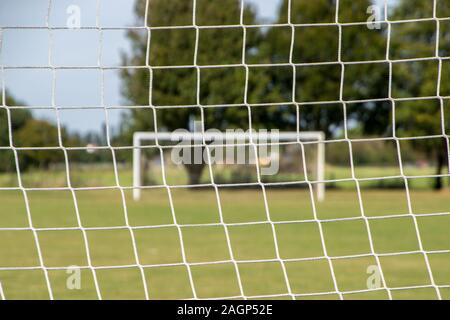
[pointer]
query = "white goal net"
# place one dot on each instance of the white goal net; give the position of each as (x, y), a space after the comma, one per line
(357, 96)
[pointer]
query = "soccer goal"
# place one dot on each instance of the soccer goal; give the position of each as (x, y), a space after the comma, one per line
(229, 141)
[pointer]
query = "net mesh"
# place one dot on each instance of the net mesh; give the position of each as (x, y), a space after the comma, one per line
(272, 227)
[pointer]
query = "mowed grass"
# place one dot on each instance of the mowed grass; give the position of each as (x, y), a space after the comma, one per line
(210, 271)
(85, 176)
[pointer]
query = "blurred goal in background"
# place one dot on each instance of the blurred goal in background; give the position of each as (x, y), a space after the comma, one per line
(245, 143)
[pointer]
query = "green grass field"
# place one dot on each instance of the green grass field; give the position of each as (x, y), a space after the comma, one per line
(96, 176)
(161, 246)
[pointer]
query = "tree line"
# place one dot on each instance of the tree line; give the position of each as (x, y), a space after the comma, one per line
(316, 52)
(39, 139)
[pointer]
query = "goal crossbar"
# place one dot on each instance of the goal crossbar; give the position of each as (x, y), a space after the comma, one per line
(138, 137)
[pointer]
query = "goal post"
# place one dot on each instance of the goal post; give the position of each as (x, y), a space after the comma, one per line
(2, 294)
(198, 137)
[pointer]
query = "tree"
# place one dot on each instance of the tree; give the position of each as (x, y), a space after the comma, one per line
(319, 44)
(420, 79)
(365, 81)
(18, 118)
(27, 132)
(38, 133)
(178, 86)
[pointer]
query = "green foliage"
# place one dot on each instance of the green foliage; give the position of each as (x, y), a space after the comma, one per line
(38, 133)
(418, 40)
(175, 47)
(21, 116)
(218, 46)
(421, 78)
(27, 132)
(314, 44)
(413, 9)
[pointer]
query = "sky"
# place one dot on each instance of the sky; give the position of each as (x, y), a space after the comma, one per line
(73, 88)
